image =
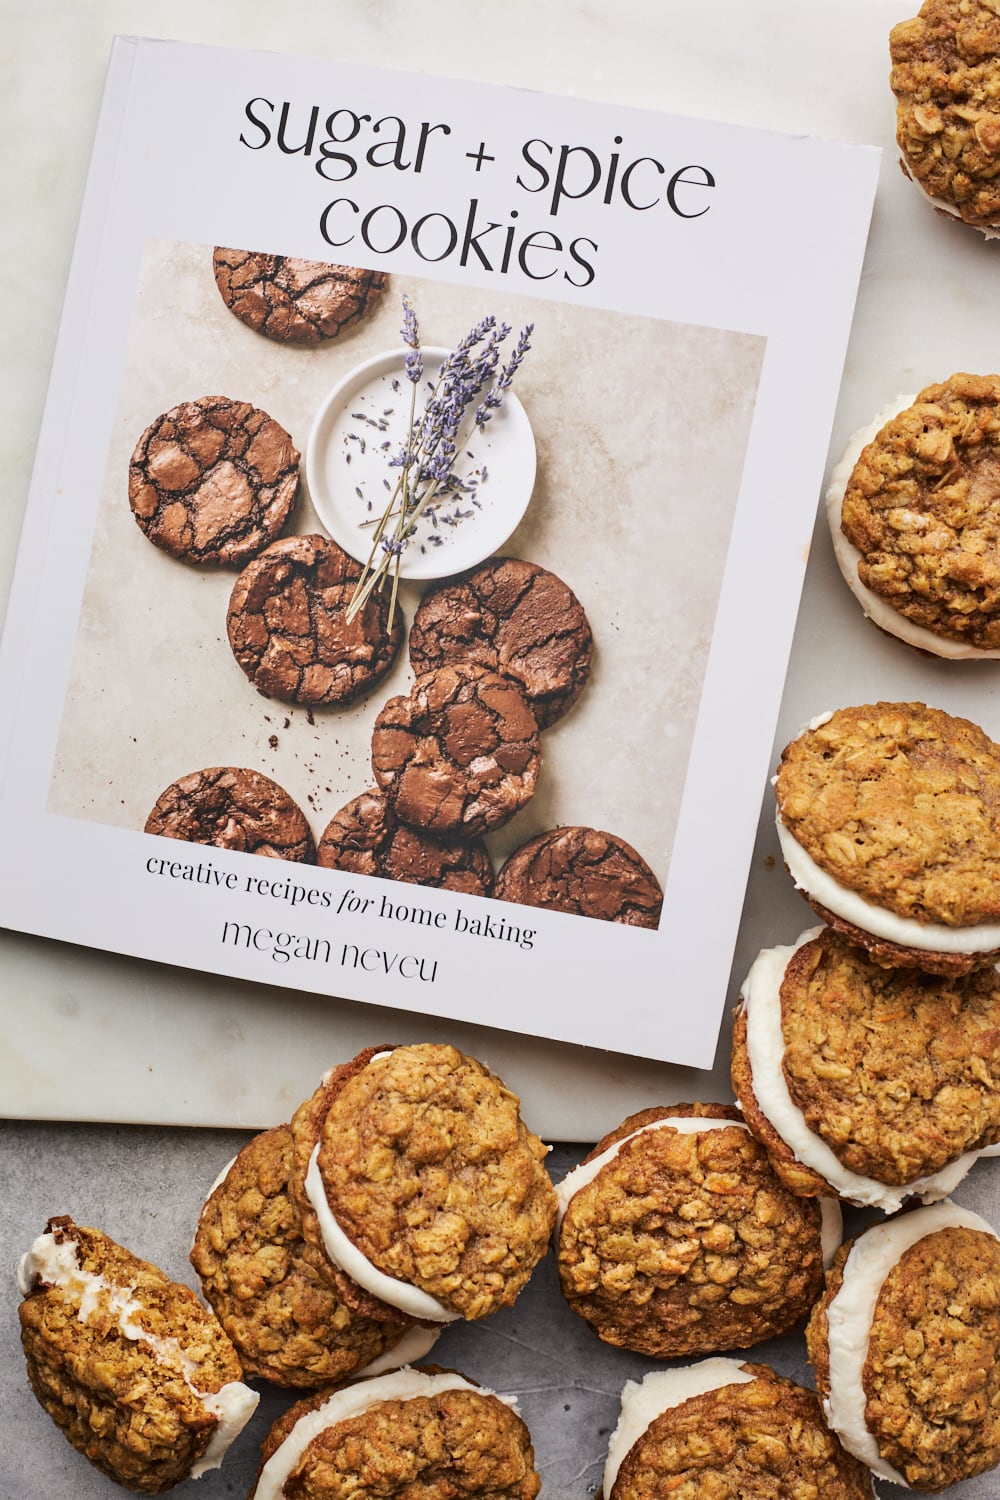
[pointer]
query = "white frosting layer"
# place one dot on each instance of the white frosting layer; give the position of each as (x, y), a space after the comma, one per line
(588, 1170)
(850, 1317)
(930, 937)
(643, 1401)
(345, 1254)
(57, 1264)
(352, 1401)
(765, 1051)
(415, 1343)
(876, 607)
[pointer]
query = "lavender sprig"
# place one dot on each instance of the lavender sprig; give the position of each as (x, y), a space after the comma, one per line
(426, 460)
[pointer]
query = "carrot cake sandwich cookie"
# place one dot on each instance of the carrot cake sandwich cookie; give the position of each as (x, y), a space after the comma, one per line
(889, 823)
(914, 512)
(137, 1373)
(675, 1236)
(418, 1179)
(730, 1430)
(905, 1343)
(417, 1431)
(946, 79)
(273, 1292)
(875, 1084)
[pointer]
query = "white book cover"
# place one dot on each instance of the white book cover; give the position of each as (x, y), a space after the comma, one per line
(666, 304)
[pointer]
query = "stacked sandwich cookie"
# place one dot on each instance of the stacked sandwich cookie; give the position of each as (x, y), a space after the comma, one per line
(866, 1061)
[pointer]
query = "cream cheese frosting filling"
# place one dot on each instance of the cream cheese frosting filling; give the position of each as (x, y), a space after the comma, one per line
(353, 1401)
(586, 1172)
(413, 1346)
(850, 1314)
(930, 937)
(57, 1264)
(643, 1401)
(765, 1052)
(878, 609)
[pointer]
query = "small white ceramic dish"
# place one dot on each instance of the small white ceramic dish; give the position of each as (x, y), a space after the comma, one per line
(362, 424)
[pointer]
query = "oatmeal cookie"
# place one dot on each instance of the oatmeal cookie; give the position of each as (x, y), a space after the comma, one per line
(730, 1431)
(677, 1238)
(877, 1084)
(461, 754)
(366, 838)
(916, 518)
(231, 807)
(213, 481)
(270, 1289)
(889, 822)
(422, 1431)
(139, 1376)
(415, 1173)
(905, 1343)
(946, 79)
(515, 618)
(583, 871)
(294, 301)
(288, 627)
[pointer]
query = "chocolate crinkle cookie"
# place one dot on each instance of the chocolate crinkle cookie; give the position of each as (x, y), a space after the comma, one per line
(460, 754)
(294, 301)
(515, 618)
(419, 1432)
(288, 625)
(231, 807)
(213, 481)
(366, 838)
(922, 510)
(675, 1236)
(946, 79)
(416, 1175)
(889, 822)
(722, 1430)
(586, 872)
(139, 1376)
(876, 1084)
(905, 1343)
(270, 1289)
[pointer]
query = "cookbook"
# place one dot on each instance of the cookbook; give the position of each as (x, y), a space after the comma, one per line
(415, 539)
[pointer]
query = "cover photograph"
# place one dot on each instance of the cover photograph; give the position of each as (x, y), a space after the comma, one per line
(415, 540)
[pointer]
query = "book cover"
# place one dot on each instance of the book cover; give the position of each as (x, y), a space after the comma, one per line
(534, 790)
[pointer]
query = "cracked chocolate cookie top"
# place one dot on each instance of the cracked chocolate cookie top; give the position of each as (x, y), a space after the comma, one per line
(212, 481)
(460, 754)
(583, 871)
(367, 838)
(288, 626)
(685, 1242)
(757, 1440)
(294, 301)
(931, 1376)
(922, 506)
(946, 79)
(430, 1433)
(139, 1376)
(901, 804)
(233, 808)
(898, 1071)
(428, 1168)
(270, 1289)
(515, 618)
